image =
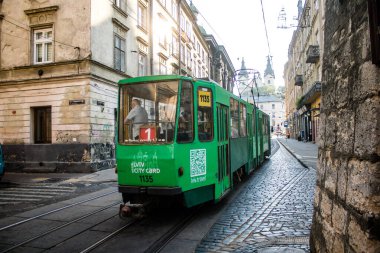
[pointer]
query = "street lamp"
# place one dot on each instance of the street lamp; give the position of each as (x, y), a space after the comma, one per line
(304, 23)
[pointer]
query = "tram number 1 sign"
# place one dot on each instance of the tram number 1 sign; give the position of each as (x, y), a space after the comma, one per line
(147, 133)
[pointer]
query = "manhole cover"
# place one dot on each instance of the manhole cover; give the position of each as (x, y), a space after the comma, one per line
(291, 240)
(53, 180)
(280, 250)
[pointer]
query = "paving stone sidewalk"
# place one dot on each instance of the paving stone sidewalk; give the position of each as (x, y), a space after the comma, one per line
(272, 213)
(305, 152)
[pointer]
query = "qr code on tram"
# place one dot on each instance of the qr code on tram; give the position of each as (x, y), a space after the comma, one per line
(197, 162)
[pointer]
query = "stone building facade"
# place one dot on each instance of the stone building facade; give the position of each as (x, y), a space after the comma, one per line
(346, 206)
(275, 108)
(60, 62)
(221, 68)
(303, 72)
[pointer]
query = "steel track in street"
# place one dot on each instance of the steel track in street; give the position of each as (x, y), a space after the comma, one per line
(159, 244)
(59, 227)
(111, 235)
(55, 210)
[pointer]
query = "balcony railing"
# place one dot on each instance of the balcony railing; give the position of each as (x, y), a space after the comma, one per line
(313, 93)
(298, 80)
(312, 54)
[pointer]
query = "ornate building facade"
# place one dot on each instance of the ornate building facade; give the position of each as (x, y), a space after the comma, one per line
(59, 67)
(303, 72)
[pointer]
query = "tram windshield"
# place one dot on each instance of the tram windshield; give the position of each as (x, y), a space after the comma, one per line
(147, 112)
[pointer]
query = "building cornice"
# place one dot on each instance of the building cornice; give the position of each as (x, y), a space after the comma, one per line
(120, 24)
(39, 10)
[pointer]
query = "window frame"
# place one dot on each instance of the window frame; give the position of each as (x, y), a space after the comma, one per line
(142, 16)
(242, 120)
(44, 42)
(142, 65)
(174, 10)
(191, 104)
(121, 5)
(122, 66)
(234, 118)
(211, 111)
(162, 66)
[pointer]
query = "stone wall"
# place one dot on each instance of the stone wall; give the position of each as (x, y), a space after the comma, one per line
(70, 157)
(347, 208)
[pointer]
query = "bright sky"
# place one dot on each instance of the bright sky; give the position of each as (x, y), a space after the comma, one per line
(239, 26)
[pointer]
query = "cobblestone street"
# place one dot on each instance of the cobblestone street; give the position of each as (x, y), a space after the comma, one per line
(273, 211)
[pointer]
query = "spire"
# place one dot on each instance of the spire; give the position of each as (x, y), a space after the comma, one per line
(269, 70)
(243, 69)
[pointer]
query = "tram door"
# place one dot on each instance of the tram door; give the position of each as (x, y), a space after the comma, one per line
(223, 149)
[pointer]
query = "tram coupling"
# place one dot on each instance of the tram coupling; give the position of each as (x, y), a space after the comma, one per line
(137, 211)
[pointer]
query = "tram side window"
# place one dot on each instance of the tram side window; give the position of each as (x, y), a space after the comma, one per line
(234, 112)
(185, 132)
(254, 123)
(205, 118)
(243, 120)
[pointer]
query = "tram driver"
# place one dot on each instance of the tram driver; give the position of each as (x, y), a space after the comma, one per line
(138, 116)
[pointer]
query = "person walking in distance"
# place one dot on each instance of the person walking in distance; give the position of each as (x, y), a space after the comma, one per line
(138, 116)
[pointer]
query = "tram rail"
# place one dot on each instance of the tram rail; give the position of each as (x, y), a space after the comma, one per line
(62, 226)
(55, 210)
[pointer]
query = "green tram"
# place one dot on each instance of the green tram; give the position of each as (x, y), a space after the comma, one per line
(192, 142)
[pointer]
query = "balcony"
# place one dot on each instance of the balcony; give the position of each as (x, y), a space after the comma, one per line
(298, 80)
(313, 93)
(312, 54)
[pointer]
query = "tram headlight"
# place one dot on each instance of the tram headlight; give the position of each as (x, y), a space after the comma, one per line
(180, 171)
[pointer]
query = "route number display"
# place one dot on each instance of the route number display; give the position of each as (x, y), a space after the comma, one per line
(204, 98)
(147, 133)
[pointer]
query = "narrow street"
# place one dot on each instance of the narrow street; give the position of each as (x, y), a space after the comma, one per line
(274, 209)
(271, 210)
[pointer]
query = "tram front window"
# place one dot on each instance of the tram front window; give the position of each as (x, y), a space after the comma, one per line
(147, 112)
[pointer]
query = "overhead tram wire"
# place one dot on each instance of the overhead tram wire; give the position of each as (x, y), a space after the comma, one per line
(27, 28)
(31, 39)
(266, 30)
(212, 28)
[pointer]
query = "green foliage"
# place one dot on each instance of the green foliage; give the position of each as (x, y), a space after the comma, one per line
(299, 102)
(265, 90)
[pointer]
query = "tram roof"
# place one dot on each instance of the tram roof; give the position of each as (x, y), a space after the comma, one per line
(154, 78)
